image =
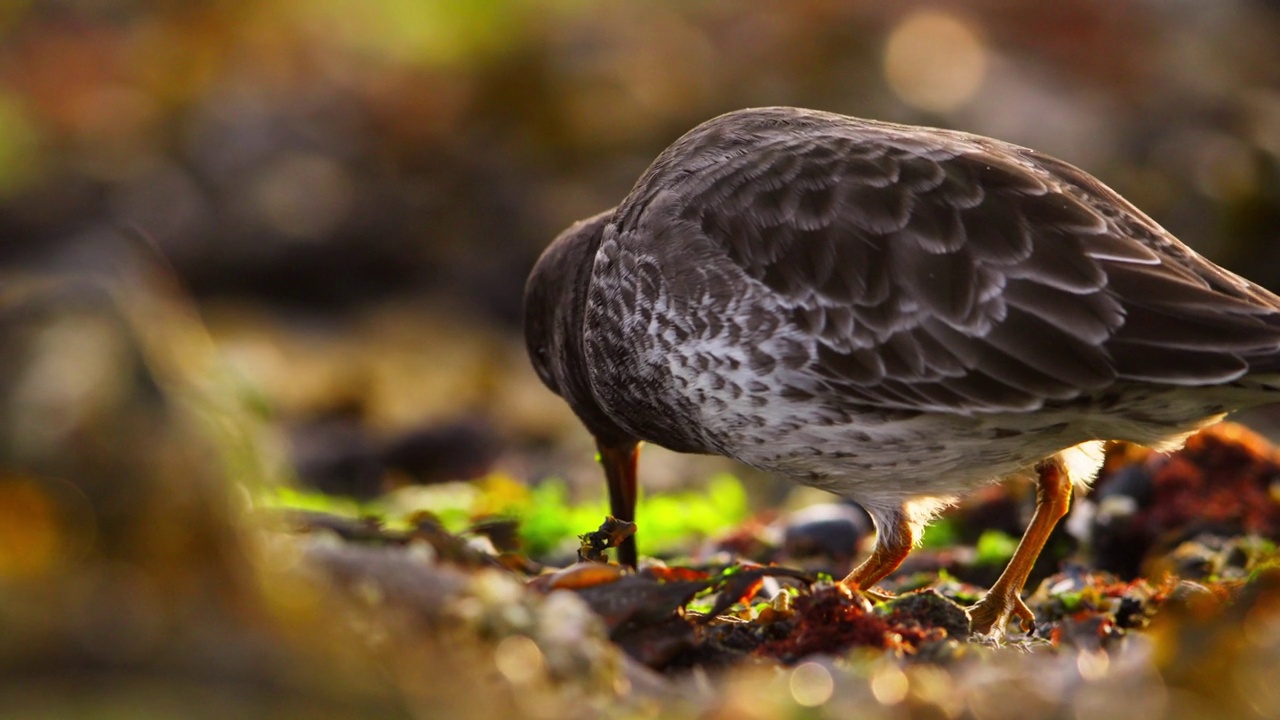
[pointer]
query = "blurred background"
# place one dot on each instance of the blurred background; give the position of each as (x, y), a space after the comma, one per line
(257, 239)
(354, 191)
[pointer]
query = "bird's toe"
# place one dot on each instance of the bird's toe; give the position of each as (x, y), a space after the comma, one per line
(990, 614)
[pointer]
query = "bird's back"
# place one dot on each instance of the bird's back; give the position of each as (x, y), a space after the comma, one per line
(775, 260)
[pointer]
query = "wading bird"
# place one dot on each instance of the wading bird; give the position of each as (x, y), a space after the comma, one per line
(895, 314)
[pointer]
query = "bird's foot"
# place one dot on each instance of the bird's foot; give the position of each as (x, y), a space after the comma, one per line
(877, 595)
(872, 595)
(989, 615)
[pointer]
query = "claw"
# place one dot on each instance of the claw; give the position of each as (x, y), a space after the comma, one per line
(991, 613)
(873, 595)
(865, 598)
(877, 596)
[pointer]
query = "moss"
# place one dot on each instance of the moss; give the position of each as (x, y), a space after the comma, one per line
(995, 548)
(940, 534)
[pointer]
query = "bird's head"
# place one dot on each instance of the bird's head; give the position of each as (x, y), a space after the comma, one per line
(555, 300)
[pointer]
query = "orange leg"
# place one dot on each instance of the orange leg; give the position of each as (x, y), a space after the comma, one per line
(893, 543)
(1053, 497)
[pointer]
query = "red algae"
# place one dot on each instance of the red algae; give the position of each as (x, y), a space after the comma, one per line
(1223, 476)
(1223, 482)
(667, 573)
(830, 621)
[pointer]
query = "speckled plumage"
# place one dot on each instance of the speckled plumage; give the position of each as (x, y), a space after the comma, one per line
(896, 314)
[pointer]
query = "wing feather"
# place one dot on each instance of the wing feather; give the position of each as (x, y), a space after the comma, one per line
(928, 269)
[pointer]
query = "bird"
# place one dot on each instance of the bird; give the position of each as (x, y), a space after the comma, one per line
(895, 314)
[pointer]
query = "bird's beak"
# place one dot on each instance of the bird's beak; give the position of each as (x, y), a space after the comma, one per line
(619, 462)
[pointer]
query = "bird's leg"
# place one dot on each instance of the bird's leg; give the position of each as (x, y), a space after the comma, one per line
(619, 461)
(1053, 497)
(893, 543)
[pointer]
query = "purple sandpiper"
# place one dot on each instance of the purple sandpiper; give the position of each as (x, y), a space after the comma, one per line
(895, 314)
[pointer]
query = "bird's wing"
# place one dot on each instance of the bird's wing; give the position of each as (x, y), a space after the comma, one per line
(926, 269)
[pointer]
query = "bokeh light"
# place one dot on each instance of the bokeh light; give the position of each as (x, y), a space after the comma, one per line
(935, 60)
(31, 535)
(47, 526)
(811, 684)
(889, 684)
(518, 659)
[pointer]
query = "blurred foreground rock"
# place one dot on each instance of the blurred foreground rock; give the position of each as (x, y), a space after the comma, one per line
(131, 583)
(127, 586)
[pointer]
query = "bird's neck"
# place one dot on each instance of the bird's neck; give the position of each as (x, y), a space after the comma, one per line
(575, 381)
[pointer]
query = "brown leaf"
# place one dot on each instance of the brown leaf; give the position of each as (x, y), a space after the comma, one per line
(578, 576)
